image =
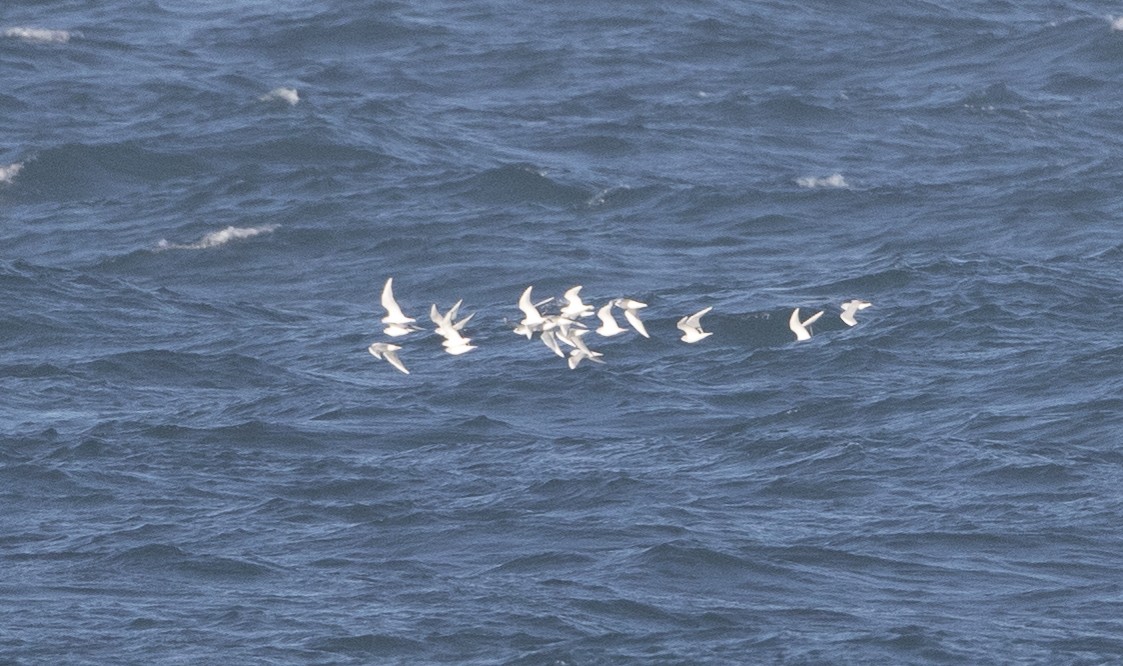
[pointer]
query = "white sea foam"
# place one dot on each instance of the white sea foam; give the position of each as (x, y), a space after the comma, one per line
(599, 198)
(834, 180)
(9, 173)
(1116, 23)
(41, 35)
(289, 95)
(218, 238)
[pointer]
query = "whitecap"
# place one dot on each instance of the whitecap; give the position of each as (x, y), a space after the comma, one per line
(289, 95)
(218, 238)
(834, 180)
(601, 197)
(8, 173)
(41, 35)
(1116, 23)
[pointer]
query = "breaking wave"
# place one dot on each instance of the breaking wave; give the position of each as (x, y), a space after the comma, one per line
(289, 95)
(218, 238)
(832, 181)
(41, 35)
(8, 173)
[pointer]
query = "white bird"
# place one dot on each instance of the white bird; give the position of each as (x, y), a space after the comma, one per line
(564, 329)
(551, 341)
(578, 355)
(447, 326)
(454, 342)
(630, 308)
(691, 326)
(574, 308)
(389, 352)
(443, 322)
(800, 327)
(573, 339)
(609, 327)
(459, 325)
(532, 318)
(397, 323)
(396, 331)
(849, 308)
(458, 345)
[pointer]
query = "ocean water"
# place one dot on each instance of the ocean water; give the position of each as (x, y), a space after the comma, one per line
(201, 201)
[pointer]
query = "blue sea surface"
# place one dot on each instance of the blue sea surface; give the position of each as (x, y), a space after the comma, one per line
(200, 203)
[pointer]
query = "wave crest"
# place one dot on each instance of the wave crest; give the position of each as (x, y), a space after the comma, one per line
(834, 180)
(218, 238)
(289, 95)
(8, 173)
(41, 35)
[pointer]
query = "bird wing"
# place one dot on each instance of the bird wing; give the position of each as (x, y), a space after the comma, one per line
(460, 324)
(527, 306)
(606, 318)
(695, 320)
(629, 304)
(551, 341)
(634, 320)
(392, 309)
(793, 321)
(392, 357)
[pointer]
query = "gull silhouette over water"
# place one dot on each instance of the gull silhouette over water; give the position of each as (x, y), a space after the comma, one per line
(631, 314)
(849, 308)
(532, 318)
(691, 326)
(800, 327)
(579, 354)
(550, 340)
(454, 341)
(609, 327)
(397, 323)
(574, 307)
(388, 352)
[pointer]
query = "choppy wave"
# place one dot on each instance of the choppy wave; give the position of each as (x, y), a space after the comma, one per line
(193, 435)
(523, 183)
(835, 180)
(218, 238)
(8, 173)
(41, 35)
(84, 171)
(288, 95)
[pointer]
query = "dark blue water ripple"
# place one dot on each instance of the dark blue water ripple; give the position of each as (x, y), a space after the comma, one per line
(200, 460)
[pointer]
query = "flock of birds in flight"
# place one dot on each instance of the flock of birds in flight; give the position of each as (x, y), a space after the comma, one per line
(562, 328)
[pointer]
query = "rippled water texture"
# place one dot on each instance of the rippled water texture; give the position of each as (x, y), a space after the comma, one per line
(200, 461)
